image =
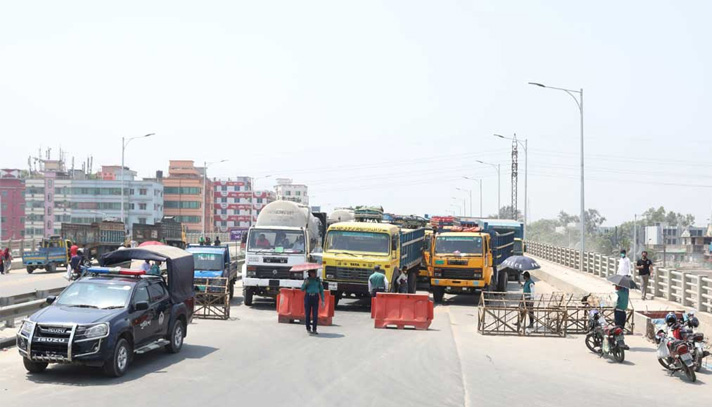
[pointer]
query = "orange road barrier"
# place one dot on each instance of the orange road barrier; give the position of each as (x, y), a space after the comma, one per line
(290, 307)
(402, 310)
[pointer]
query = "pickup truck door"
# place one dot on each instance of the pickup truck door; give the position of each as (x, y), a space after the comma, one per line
(141, 321)
(161, 304)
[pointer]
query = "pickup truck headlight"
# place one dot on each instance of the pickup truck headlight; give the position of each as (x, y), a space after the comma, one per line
(95, 331)
(27, 328)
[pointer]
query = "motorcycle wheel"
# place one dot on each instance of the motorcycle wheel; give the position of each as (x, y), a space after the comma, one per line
(689, 373)
(666, 364)
(698, 363)
(593, 343)
(619, 355)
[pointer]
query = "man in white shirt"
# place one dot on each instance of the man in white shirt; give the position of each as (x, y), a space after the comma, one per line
(146, 266)
(624, 265)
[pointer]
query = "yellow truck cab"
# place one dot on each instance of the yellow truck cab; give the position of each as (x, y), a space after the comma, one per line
(353, 249)
(464, 261)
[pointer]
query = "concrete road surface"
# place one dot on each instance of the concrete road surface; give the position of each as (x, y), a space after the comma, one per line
(19, 282)
(253, 360)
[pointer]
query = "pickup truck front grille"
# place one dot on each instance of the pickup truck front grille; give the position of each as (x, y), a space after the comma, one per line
(276, 272)
(462, 274)
(349, 273)
(51, 343)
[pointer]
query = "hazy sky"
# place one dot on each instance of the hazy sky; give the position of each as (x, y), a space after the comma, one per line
(375, 102)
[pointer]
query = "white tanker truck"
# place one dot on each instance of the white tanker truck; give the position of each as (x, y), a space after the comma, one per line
(284, 235)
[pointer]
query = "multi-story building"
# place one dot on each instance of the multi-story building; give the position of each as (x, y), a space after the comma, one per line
(286, 190)
(236, 204)
(12, 205)
(184, 196)
(56, 198)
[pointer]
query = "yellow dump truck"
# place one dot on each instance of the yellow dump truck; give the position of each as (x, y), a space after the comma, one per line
(464, 261)
(353, 249)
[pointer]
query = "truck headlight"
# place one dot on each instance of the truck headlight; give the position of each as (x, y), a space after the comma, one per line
(251, 273)
(437, 273)
(95, 331)
(330, 276)
(27, 328)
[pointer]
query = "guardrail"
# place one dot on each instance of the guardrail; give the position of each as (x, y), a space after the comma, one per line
(22, 305)
(683, 287)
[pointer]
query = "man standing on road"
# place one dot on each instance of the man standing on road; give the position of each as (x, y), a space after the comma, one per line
(7, 259)
(624, 265)
(377, 282)
(313, 291)
(402, 281)
(217, 240)
(619, 314)
(645, 270)
(528, 291)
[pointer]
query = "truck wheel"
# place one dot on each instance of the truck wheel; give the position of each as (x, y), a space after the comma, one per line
(337, 297)
(177, 334)
(118, 363)
(438, 294)
(232, 290)
(247, 293)
(51, 268)
(502, 281)
(30, 269)
(34, 367)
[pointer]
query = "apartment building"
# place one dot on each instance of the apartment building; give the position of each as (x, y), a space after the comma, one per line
(184, 196)
(12, 205)
(236, 204)
(287, 190)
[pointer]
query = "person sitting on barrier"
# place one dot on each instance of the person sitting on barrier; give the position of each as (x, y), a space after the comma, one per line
(377, 282)
(402, 281)
(619, 314)
(528, 291)
(313, 291)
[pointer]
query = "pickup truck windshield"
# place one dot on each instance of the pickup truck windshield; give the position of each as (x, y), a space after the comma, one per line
(208, 261)
(460, 244)
(95, 295)
(276, 241)
(358, 241)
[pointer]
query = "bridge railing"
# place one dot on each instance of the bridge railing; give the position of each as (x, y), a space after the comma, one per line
(683, 287)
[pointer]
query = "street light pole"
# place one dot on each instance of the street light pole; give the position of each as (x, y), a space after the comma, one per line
(125, 143)
(480, 182)
(499, 185)
(205, 192)
(579, 103)
(470, 192)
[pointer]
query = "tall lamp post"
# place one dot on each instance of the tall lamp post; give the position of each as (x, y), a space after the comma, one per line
(480, 182)
(470, 192)
(205, 192)
(253, 180)
(124, 143)
(499, 185)
(579, 103)
(526, 173)
(454, 198)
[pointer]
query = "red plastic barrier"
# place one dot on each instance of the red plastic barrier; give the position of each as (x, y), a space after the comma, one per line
(402, 310)
(290, 307)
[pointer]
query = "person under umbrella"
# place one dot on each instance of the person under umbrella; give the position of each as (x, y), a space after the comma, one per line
(313, 291)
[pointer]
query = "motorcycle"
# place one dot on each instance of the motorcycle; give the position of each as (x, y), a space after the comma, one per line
(695, 341)
(605, 340)
(674, 355)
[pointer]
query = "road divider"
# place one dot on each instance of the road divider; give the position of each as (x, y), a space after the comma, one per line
(402, 310)
(290, 307)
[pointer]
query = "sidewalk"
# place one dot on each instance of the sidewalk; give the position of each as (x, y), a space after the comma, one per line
(574, 281)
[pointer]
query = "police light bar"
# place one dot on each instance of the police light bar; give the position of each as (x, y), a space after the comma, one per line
(115, 270)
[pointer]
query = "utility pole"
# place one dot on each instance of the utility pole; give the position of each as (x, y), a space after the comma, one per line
(515, 175)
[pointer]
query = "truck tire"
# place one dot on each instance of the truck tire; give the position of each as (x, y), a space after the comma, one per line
(413, 281)
(118, 363)
(51, 268)
(30, 269)
(232, 289)
(337, 298)
(247, 293)
(502, 281)
(175, 338)
(34, 367)
(438, 294)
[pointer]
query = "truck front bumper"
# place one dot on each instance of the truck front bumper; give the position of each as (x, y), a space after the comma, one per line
(458, 286)
(274, 283)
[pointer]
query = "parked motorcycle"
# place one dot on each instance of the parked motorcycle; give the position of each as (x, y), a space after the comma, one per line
(605, 340)
(674, 355)
(695, 340)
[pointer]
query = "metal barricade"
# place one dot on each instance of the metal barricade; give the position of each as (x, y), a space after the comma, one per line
(212, 298)
(512, 313)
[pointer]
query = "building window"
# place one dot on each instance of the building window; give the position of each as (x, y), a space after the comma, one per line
(142, 221)
(143, 191)
(131, 207)
(181, 190)
(288, 193)
(182, 204)
(298, 193)
(131, 192)
(142, 207)
(188, 219)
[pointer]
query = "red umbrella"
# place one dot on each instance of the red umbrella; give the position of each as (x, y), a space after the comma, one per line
(306, 267)
(151, 243)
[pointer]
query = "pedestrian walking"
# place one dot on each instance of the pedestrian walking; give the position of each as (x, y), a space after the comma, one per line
(2, 267)
(645, 270)
(377, 282)
(402, 281)
(528, 292)
(313, 292)
(624, 265)
(7, 260)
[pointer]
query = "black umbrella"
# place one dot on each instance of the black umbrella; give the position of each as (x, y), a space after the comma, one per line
(521, 263)
(623, 281)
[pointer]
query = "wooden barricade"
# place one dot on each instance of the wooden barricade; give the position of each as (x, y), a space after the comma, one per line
(212, 298)
(578, 312)
(512, 313)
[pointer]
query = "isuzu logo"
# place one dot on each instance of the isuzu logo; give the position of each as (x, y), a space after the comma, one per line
(53, 330)
(51, 340)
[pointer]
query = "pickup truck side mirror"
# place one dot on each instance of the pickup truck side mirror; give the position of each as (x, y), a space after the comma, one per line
(50, 299)
(141, 306)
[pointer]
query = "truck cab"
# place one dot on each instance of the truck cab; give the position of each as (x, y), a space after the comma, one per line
(51, 253)
(214, 261)
(353, 249)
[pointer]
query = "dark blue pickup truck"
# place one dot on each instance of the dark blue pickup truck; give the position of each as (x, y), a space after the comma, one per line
(110, 314)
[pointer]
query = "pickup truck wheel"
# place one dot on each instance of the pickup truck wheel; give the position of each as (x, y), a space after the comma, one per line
(30, 269)
(176, 338)
(247, 292)
(118, 363)
(34, 367)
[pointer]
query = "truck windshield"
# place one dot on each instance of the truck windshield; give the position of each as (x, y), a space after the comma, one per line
(208, 261)
(95, 295)
(458, 244)
(276, 241)
(357, 241)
